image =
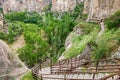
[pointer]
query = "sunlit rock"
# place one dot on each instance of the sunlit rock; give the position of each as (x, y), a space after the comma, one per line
(10, 64)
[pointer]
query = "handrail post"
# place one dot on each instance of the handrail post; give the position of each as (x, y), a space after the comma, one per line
(71, 63)
(96, 69)
(40, 65)
(65, 76)
(59, 66)
(50, 66)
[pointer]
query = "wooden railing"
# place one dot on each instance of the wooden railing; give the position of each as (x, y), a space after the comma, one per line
(77, 66)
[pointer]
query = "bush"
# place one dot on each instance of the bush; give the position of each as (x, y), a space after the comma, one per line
(14, 29)
(27, 76)
(78, 10)
(15, 16)
(1, 10)
(32, 17)
(113, 21)
(27, 17)
(35, 49)
(3, 36)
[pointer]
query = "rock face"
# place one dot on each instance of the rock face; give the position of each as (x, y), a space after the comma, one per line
(1, 21)
(38, 5)
(22, 5)
(116, 54)
(77, 31)
(99, 9)
(64, 5)
(10, 65)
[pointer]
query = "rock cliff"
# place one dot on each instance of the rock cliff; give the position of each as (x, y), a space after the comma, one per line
(22, 5)
(10, 65)
(64, 5)
(99, 9)
(1, 21)
(38, 5)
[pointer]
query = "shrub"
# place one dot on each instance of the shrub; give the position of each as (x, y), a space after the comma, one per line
(27, 76)
(15, 16)
(14, 29)
(78, 10)
(27, 17)
(3, 36)
(113, 21)
(32, 17)
(1, 10)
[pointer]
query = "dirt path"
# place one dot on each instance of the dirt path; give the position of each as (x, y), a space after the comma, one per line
(102, 26)
(18, 44)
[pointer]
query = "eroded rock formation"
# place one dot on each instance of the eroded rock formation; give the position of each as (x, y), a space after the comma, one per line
(1, 21)
(64, 5)
(22, 5)
(10, 64)
(99, 9)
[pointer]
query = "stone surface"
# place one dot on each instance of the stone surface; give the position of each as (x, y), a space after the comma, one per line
(22, 5)
(38, 5)
(99, 9)
(64, 5)
(116, 54)
(76, 32)
(1, 21)
(10, 64)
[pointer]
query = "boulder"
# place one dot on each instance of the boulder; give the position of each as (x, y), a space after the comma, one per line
(116, 55)
(10, 65)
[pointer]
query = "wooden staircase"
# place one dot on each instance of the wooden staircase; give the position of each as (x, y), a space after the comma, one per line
(79, 69)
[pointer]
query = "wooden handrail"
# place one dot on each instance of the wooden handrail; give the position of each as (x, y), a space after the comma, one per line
(68, 67)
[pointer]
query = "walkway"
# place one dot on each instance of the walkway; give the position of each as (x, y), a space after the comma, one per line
(75, 69)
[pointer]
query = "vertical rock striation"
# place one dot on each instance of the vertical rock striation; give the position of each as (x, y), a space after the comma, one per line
(22, 5)
(64, 5)
(99, 9)
(10, 64)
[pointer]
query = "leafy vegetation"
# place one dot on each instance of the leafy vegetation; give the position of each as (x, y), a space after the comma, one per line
(1, 10)
(78, 11)
(27, 17)
(110, 40)
(28, 76)
(113, 21)
(35, 48)
(45, 35)
(79, 42)
(105, 45)
(108, 43)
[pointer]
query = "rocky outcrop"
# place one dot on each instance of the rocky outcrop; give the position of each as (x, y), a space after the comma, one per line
(22, 5)
(100, 9)
(10, 64)
(1, 21)
(38, 5)
(64, 5)
(77, 31)
(116, 54)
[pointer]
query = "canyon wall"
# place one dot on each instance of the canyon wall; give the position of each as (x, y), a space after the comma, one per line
(10, 65)
(64, 5)
(99, 9)
(22, 5)
(38, 5)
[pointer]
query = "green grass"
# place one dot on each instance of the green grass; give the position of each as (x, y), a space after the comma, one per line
(28, 76)
(113, 21)
(79, 42)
